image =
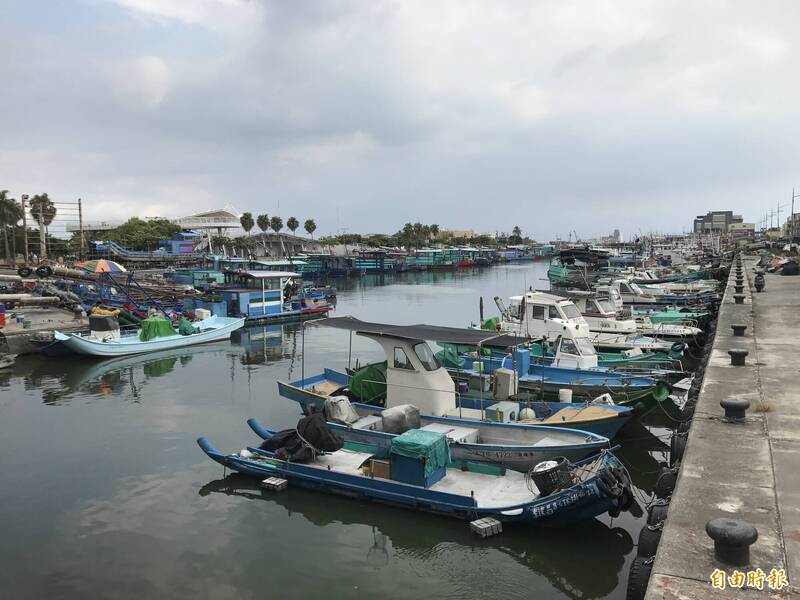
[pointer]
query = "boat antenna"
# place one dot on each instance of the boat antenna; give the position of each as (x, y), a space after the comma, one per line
(303, 353)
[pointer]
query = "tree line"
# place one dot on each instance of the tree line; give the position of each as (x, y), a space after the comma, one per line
(275, 223)
(418, 235)
(40, 207)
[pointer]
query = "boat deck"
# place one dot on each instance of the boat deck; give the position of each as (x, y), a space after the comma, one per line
(490, 491)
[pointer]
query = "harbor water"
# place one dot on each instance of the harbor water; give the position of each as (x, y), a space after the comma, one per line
(105, 493)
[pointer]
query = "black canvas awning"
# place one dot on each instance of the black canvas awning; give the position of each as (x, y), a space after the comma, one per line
(449, 335)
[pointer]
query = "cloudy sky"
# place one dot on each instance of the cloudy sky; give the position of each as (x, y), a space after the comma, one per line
(553, 115)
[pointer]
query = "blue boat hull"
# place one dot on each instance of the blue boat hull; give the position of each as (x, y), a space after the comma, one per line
(580, 502)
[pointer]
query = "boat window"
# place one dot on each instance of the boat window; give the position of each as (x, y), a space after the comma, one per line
(568, 347)
(625, 288)
(538, 312)
(607, 306)
(636, 289)
(426, 356)
(585, 346)
(401, 360)
(513, 311)
(571, 311)
(553, 313)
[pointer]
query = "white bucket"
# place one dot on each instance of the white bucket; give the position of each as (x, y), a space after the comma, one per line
(565, 395)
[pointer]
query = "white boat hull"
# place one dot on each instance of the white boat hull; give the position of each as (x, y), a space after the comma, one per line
(212, 329)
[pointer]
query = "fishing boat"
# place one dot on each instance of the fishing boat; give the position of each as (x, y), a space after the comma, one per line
(413, 375)
(515, 446)
(547, 315)
(417, 473)
(105, 340)
(611, 332)
(261, 297)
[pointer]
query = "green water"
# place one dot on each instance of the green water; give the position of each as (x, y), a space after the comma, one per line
(105, 494)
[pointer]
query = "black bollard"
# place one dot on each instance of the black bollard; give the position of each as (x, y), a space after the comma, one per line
(737, 357)
(735, 408)
(738, 298)
(738, 330)
(738, 289)
(732, 540)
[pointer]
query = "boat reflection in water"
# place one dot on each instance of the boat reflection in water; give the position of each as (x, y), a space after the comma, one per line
(588, 569)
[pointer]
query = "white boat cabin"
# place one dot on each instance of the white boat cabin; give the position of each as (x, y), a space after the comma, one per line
(542, 315)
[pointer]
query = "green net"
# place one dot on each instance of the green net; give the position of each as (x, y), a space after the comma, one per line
(368, 384)
(430, 446)
(153, 328)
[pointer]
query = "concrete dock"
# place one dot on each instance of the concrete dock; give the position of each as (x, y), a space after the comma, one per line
(746, 470)
(16, 339)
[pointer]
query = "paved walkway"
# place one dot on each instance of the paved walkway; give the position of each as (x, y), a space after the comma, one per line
(748, 471)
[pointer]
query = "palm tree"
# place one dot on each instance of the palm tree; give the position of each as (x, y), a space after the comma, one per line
(310, 227)
(263, 224)
(434, 229)
(10, 213)
(247, 222)
(292, 224)
(276, 224)
(43, 211)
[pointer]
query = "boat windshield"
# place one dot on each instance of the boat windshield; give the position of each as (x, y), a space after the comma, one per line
(426, 356)
(606, 306)
(570, 310)
(585, 346)
(636, 289)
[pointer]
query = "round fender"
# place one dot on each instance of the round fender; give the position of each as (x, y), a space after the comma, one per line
(44, 271)
(24, 271)
(677, 446)
(638, 577)
(665, 484)
(649, 537)
(657, 513)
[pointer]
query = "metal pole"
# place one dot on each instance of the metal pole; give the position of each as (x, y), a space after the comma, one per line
(80, 229)
(303, 354)
(24, 198)
(350, 351)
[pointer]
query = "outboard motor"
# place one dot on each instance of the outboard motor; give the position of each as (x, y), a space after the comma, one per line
(103, 327)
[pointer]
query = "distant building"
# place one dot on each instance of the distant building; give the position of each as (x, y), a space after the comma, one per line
(742, 230)
(788, 230)
(716, 221)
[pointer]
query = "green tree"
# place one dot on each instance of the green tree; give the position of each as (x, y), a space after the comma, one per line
(434, 229)
(10, 214)
(310, 226)
(43, 211)
(516, 235)
(292, 224)
(263, 222)
(276, 224)
(247, 222)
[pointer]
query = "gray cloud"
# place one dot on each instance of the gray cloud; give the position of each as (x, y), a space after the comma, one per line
(551, 115)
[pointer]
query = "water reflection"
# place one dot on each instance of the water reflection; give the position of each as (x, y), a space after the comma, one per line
(596, 561)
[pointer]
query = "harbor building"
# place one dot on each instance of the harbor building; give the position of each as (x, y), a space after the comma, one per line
(716, 221)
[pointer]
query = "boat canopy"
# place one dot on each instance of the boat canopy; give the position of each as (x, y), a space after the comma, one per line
(450, 335)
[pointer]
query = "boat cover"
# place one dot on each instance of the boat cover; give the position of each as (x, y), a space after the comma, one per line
(155, 327)
(430, 446)
(368, 384)
(311, 437)
(451, 335)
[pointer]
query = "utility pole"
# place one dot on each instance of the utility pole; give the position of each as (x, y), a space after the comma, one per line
(24, 199)
(80, 229)
(793, 226)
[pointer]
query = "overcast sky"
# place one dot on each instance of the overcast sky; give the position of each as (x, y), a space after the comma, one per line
(551, 115)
